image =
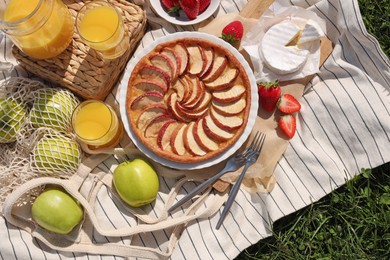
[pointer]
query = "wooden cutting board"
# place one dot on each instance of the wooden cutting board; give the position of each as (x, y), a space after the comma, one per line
(254, 9)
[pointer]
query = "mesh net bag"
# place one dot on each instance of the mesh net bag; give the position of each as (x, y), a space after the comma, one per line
(53, 108)
(33, 148)
(14, 99)
(12, 117)
(55, 154)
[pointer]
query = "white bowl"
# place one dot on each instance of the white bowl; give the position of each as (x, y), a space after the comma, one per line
(177, 165)
(182, 19)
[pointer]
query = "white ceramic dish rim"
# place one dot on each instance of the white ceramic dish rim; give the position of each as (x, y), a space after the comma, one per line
(212, 161)
(157, 6)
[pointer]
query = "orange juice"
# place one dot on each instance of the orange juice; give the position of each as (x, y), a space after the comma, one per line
(95, 123)
(40, 28)
(101, 27)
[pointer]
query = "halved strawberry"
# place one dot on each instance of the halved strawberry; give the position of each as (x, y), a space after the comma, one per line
(190, 8)
(269, 94)
(288, 125)
(288, 104)
(172, 6)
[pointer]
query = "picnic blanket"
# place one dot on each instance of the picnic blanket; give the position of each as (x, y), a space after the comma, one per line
(344, 126)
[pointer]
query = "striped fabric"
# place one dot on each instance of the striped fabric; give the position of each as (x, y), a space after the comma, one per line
(344, 126)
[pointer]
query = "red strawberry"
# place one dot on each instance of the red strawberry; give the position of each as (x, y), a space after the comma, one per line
(203, 4)
(288, 104)
(233, 32)
(190, 8)
(288, 125)
(269, 94)
(172, 6)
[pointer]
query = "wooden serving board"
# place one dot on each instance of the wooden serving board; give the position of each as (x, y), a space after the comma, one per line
(254, 9)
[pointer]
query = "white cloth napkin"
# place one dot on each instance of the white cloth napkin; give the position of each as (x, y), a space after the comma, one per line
(344, 126)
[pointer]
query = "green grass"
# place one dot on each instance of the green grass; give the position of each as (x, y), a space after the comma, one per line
(376, 17)
(352, 222)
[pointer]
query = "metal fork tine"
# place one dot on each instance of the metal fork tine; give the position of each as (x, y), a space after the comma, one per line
(249, 148)
(261, 143)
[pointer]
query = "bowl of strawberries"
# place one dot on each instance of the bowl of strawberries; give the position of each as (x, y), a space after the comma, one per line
(185, 12)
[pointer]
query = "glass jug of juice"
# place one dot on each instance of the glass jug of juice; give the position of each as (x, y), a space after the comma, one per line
(40, 28)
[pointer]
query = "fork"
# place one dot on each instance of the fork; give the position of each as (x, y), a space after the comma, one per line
(250, 156)
(234, 163)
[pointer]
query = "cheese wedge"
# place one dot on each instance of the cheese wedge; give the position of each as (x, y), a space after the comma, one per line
(309, 33)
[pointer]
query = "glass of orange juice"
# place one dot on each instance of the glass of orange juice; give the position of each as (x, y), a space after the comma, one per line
(100, 25)
(40, 28)
(96, 124)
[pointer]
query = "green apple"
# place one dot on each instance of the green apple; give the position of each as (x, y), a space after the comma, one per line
(56, 153)
(136, 182)
(53, 108)
(12, 116)
(56, 211)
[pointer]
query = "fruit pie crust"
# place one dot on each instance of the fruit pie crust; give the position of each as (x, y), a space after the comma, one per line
(188, 100)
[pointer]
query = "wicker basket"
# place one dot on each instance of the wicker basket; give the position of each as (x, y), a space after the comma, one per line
(80, 68)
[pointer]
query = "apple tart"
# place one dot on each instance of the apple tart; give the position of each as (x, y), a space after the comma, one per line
(188, 100)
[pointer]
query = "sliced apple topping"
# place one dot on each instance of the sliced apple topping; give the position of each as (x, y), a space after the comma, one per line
(229, 95)
(176, 62)
(224, 80)
(177, 140)
(204, 103)
(230, 108)
(190, 143)
(146, 99)
(182, 54)
(155, 125)
(187, 87)
(148, 113)
(199, 96)
(227, 123)
(154, 73)
(165, 133)
(218, 66)
(196, 59)
(214, 131)
(164, 63)
(180, 87)
(202, 138)
(147, 85)
(172, 108)
(209, 58)
(195, 87)
(190, 114)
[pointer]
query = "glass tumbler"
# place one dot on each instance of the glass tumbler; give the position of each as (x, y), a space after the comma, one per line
(96, 124)
(100, 26)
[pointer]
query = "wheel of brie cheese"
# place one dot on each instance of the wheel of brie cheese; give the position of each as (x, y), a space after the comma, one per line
(188, 100)
(285, 46)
